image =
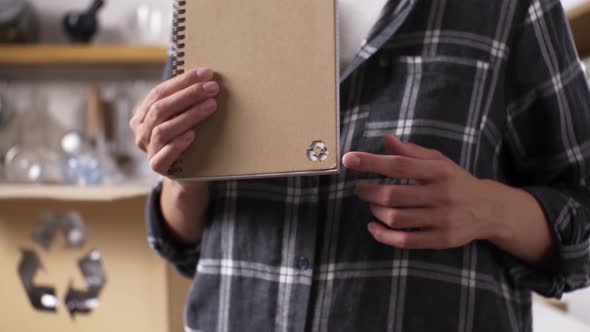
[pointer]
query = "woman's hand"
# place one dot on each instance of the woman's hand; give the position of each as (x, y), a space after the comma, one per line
(447, 207)
(163, 124)
(163, 128)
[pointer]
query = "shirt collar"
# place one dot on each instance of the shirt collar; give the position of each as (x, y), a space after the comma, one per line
(391, 19)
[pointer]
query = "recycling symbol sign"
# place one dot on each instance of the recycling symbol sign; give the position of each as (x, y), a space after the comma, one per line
(44, 297)
(318, 151)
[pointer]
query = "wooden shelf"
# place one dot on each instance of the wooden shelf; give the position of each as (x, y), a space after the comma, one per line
(579, 18)
(73, 193)
(82, 55)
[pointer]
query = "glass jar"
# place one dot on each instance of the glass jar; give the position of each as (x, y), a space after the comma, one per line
(18, 22)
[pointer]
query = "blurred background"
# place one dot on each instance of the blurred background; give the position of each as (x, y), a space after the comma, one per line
(73, 252)
(77, 69)
(73, 249)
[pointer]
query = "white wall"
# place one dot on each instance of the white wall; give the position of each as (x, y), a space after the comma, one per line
(579, 305)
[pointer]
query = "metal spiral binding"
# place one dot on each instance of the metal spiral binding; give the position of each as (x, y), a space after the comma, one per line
(178, 36)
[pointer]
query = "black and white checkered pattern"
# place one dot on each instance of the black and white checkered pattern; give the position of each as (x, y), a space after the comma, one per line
(494, 85)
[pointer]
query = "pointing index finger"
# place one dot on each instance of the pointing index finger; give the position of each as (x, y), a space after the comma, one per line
(392, 166)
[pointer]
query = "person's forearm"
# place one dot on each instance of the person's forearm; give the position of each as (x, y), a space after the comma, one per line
(521, 228)
(184, 207)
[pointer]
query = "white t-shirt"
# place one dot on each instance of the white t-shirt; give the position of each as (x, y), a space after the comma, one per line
(356, 18)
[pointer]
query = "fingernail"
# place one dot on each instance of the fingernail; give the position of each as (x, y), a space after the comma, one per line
(371, 227)
(188, 136)
(351, 160)
(211, 87)
(203, 72)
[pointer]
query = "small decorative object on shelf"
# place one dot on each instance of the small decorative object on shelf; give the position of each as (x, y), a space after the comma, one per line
(5, 118)
(30, 159)
(5, 115)
(81, 27)
(18, 23)
(151, 23)
(88, 161)
(84, 145)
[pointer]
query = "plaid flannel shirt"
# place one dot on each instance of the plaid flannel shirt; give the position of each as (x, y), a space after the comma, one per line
(496, 86)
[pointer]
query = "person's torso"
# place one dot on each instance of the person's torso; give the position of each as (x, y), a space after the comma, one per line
(294, 254)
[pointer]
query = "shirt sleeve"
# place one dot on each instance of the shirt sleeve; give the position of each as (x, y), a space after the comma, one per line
(183, 257)
(548, 122)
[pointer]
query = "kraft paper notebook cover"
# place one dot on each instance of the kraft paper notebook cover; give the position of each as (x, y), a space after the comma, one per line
(276, 61)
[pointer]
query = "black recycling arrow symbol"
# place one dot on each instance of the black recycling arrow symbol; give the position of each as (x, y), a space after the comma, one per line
(77, 301)
(84, 301)
(41, 297)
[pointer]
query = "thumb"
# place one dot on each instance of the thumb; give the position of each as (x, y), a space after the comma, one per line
(406, 149)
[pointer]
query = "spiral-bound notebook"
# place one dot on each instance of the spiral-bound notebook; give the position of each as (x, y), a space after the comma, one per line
(277, 65)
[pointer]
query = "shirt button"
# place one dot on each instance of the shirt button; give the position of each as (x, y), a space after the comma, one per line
(303, 263)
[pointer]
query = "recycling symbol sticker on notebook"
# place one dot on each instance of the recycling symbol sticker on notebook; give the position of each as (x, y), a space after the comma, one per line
(318, 151)
(44, 297)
